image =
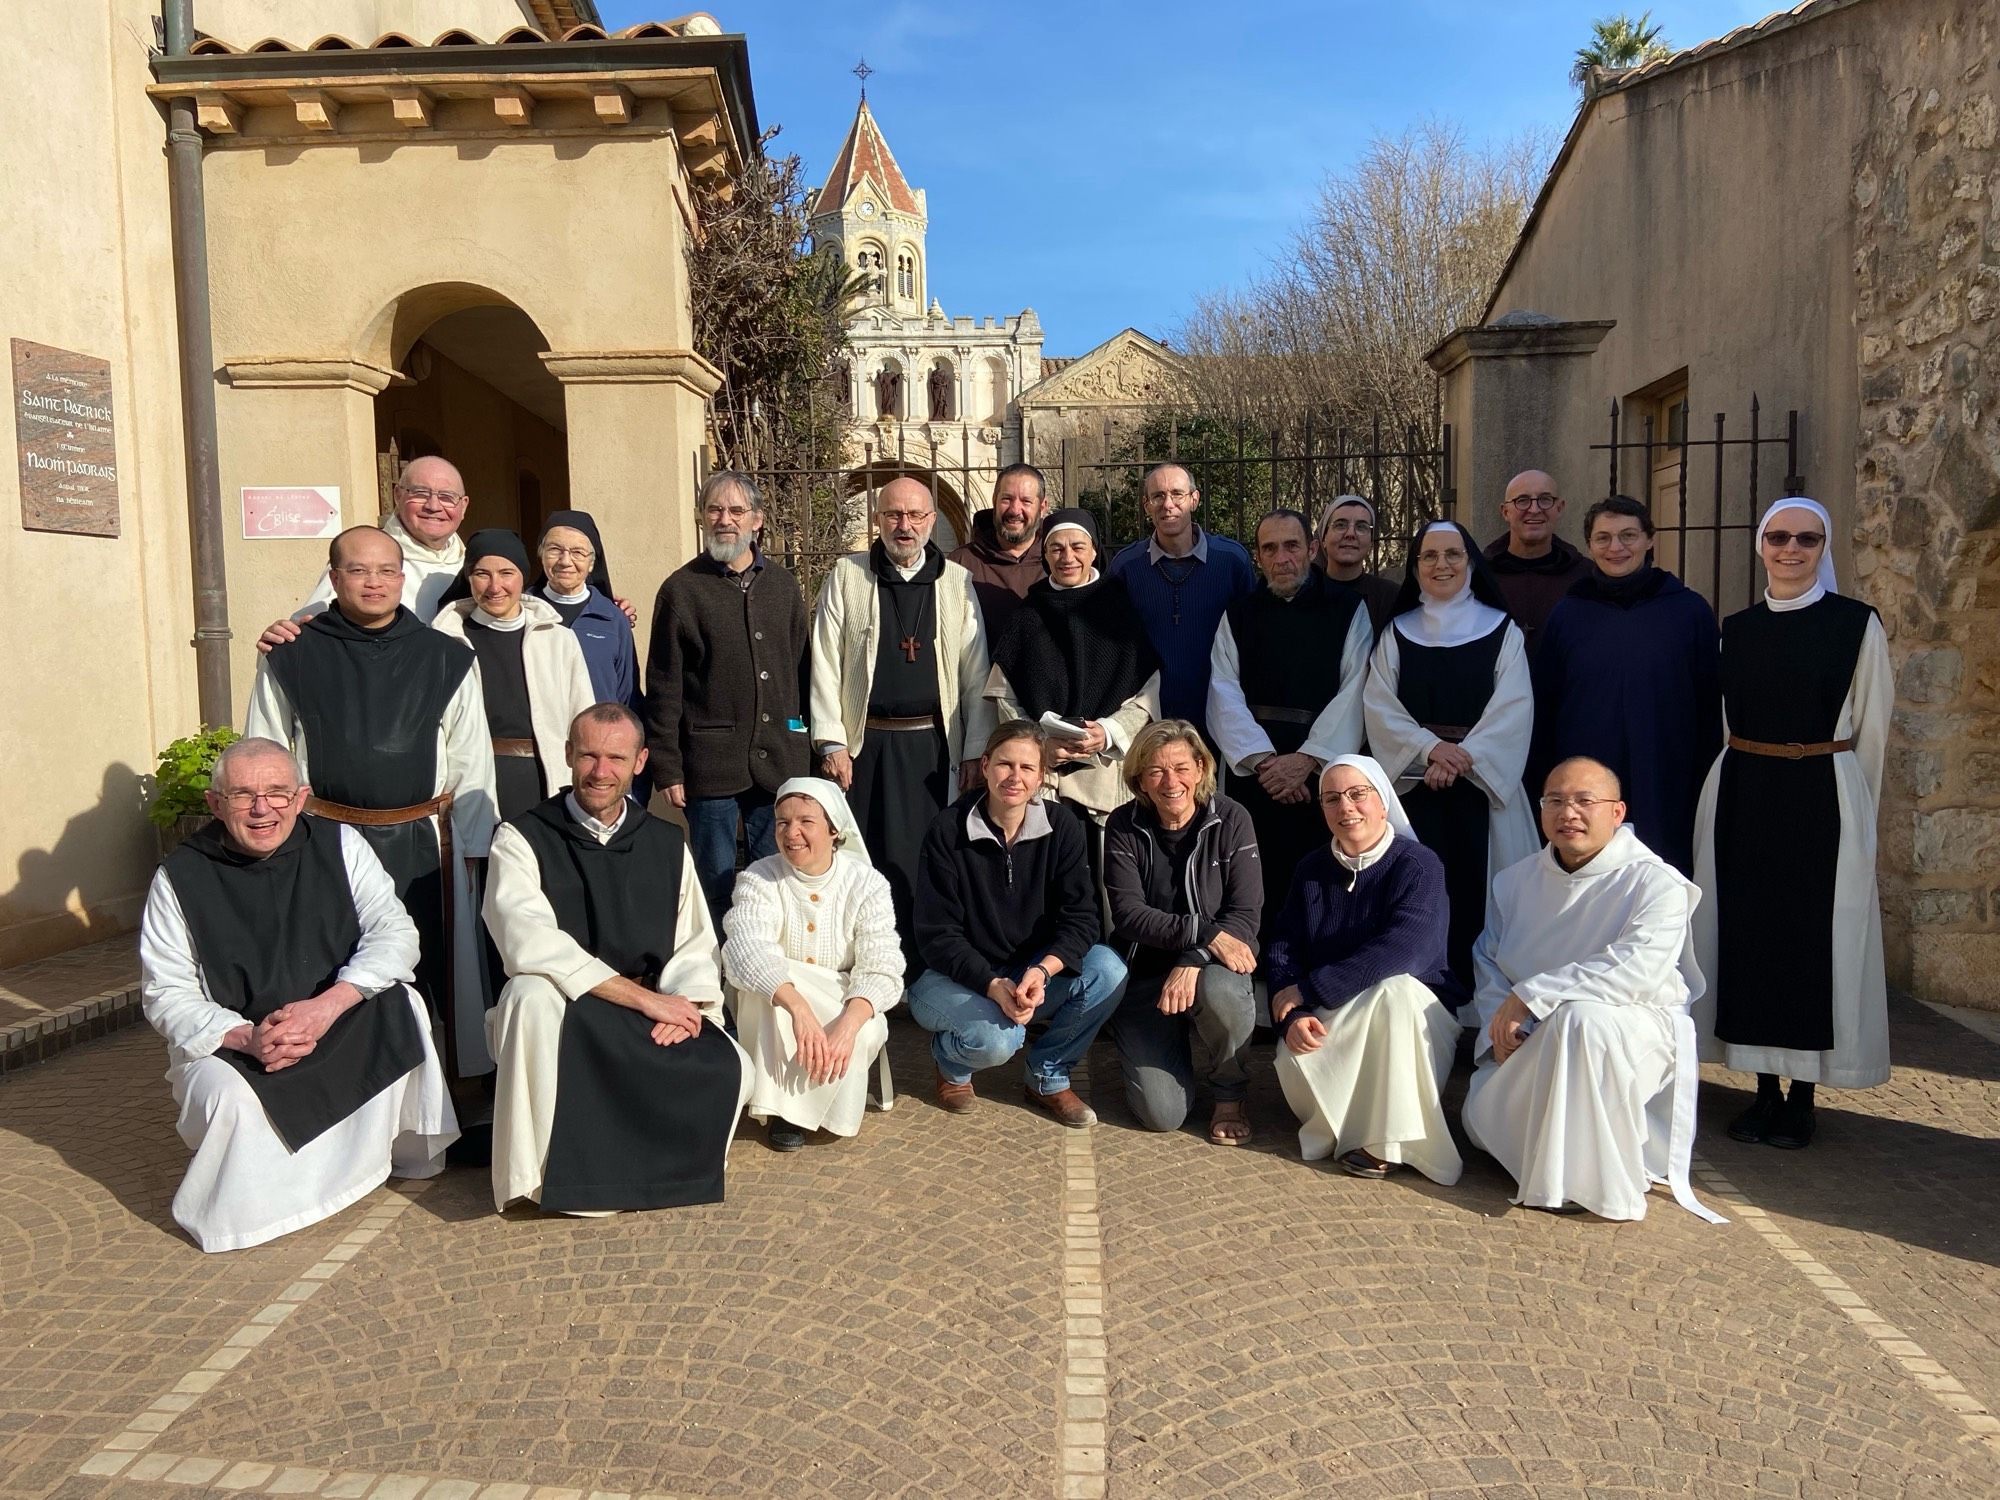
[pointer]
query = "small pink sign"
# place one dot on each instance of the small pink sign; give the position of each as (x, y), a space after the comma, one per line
(290, 512)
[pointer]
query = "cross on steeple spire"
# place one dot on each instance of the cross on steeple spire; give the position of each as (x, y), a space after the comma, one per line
(862, 71)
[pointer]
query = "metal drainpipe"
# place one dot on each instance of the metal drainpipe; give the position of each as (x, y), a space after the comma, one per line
(191, 313)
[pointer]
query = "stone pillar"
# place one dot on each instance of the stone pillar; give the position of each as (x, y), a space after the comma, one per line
(1507, 389)
(287, 422)
(637, 420)
(1927, 500)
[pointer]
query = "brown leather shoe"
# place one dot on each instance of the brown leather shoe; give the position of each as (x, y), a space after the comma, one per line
(1066, 1107)
(955, 1098)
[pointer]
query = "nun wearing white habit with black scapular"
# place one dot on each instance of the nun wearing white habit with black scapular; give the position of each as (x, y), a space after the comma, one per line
(1790, 934)
(1450, 710)
(814, 963)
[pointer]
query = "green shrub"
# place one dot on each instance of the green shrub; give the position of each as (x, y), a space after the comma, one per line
(183, 772)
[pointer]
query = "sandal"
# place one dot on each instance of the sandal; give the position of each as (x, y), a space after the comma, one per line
(1359, 1163)
(1229, 1125)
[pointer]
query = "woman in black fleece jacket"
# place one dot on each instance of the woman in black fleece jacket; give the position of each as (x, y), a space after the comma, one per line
(1186, 891)
(1007, 926)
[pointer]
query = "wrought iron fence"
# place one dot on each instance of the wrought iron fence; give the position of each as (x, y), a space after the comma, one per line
(1711, 547)
(816, 515)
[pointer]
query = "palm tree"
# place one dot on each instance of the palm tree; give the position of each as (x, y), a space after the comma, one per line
(1618, 42)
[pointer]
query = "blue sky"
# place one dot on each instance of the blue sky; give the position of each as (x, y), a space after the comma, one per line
(1105, 163)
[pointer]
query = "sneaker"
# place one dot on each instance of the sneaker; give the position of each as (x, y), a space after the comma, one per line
(1754, 1124)
(783, 1135)
(1792, 1129)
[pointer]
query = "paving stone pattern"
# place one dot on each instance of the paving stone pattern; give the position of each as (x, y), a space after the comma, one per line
(897, 1315)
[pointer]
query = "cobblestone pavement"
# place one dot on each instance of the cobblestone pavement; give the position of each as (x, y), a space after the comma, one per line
(993, 1306)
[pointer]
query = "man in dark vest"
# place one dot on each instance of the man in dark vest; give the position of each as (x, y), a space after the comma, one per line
(618, 1087)
(385, 716)
(1284, 697)
(275, 961)
(725, 686)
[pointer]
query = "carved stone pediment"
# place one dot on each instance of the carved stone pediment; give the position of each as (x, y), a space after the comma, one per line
(1127, 369)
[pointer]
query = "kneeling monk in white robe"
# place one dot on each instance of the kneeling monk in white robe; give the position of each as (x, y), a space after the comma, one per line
(813, 961)
(1357, 961)
(276, 960)
(617, 1086)
(1585, 1089)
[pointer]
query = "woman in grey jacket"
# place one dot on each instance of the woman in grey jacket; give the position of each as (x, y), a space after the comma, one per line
(1186, 892)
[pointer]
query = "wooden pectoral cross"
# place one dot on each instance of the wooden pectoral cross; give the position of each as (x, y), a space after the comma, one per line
(909, 643)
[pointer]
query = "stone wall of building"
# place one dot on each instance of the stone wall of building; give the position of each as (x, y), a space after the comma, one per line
(1927, 484)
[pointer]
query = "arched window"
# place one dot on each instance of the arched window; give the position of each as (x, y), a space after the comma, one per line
(906, 274)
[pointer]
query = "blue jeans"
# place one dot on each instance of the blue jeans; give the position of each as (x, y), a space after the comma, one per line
(712, 834)
(971, 1032)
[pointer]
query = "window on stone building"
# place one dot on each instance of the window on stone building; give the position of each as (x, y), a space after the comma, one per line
(1669, 413)
(906, 275)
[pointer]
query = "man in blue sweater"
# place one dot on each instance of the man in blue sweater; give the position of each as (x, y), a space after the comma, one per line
(1182, 578)
(1356, 967)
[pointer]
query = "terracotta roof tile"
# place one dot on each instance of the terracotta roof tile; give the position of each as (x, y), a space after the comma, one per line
(865, 156)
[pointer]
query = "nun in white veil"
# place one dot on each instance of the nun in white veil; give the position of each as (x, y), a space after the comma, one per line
(1790, 930)
(1355, 965)
(813, 961)
(1450, 711)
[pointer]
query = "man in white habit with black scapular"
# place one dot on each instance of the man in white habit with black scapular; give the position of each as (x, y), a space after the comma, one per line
(1585, 1084)
(617, 1087)
(276, 961)
(1359, 982)
(814, 963)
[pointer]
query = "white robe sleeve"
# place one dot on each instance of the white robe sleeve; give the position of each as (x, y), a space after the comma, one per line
(1000, 693)
(829, 723)
(753, 954)
(387, 952)
(523, 924)
(468, 769)
(320, 599)
(1871, 701)
(1499, 742)
(1395, 739)
(1134, 714)
(695, 970)
(975, 664)
(170, 987)
(1640, 967)
(1239, 737)
(1338, 729)
(270, 715)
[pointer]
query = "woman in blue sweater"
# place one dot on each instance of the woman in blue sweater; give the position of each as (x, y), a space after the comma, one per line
(1355, 967)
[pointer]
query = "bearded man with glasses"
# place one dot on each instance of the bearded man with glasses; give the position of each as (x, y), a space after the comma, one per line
(276, 963)
(1585, 1085)
(1533, 566)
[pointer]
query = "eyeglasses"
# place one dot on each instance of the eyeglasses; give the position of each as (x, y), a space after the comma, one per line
(244, 801)
(1174, 495)
(423, 495)
(1535, 502)
(1581, 804)
(360, 574)
(1349, 528)
(1454, 557)
(1354, 796)
(1806, 539)
(1618, 539)
(726, 512)
(575, 554)
(905, 517)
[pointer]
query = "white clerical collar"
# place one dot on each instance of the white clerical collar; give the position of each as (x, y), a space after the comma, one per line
(602, 832)
(1356, 863)
(1810, 597)
(580, 596)
(450, 554)
(518, 622)
(909, 574)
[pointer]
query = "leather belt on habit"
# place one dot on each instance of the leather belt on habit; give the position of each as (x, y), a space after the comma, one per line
(1450, 733)
(388, 817)
(1263, 711)
(902, 722)
(523, 748)
(1792, 750)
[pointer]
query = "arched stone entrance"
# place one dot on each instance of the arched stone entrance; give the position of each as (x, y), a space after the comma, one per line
(953, 522)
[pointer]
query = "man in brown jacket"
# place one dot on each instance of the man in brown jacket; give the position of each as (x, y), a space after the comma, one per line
(1004, 554)
(726, 686)
(1533, 566)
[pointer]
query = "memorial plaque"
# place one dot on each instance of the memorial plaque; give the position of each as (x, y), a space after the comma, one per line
(68, 448)
(274, 512)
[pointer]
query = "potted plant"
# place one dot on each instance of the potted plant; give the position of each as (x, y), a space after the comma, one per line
(178, 807)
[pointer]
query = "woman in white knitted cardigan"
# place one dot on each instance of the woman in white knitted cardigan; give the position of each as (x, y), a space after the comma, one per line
(813, 961)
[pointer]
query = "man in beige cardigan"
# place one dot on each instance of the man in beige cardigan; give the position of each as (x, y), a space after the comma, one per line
(899, 663)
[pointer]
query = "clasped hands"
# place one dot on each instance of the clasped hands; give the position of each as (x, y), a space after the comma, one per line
(825, 1052)
(289, 1033)
(1287, 778)
(1018, 1001)
(1446, 763)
